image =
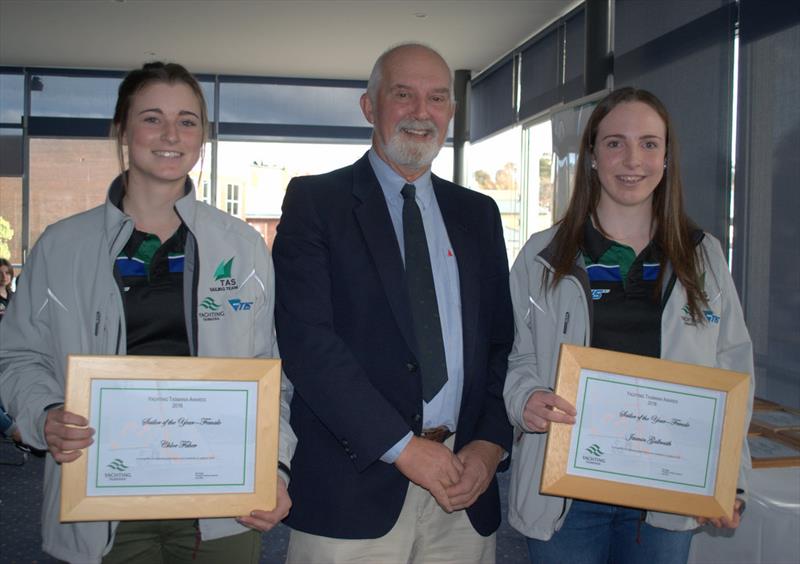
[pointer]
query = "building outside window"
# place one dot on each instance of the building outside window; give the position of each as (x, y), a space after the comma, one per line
(493, 166)
(232, 199)
(538, 192)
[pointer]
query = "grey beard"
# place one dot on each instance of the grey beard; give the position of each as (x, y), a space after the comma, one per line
(409, 153)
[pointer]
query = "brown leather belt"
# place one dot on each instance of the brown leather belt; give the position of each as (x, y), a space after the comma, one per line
(437, 434)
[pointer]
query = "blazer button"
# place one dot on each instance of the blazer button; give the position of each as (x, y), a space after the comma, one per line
(417, 418)
(411, 366)
(353, 456)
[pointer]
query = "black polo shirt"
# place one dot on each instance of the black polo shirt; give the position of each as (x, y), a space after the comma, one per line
(627, 307)
(151, 283)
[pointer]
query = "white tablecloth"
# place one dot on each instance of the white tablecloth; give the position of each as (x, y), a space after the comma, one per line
(770, 528)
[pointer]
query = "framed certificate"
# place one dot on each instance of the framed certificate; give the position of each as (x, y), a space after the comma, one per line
(769, 451)
(649, 433)
(175, 437)
(777, 420)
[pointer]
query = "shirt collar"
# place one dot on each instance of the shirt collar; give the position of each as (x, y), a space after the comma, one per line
(392, 183)
(595, 244)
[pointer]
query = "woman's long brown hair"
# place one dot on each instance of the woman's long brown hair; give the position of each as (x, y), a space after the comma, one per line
(672, 225)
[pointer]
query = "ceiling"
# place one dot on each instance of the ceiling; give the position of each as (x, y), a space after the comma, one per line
(297, 38)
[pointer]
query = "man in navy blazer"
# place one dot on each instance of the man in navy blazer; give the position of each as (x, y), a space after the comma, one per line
(380, 473)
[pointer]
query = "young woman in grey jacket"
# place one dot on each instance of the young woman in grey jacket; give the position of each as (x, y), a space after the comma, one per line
(625, 270)
(130, 277)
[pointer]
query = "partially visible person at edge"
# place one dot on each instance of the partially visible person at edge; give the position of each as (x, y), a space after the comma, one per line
(625, 270)
(6, 278)
(126, 278)
(394, 322)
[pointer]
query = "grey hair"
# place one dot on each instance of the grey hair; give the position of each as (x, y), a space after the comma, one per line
(375, 77)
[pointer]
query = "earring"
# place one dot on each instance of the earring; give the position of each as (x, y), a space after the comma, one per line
(665, 165)
(594, 165)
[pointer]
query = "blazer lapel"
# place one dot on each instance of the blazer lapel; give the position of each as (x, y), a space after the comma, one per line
(372, 215)
(467, 254)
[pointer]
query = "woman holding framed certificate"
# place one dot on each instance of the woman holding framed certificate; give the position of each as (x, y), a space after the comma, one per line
(625, 270)
(152, 271)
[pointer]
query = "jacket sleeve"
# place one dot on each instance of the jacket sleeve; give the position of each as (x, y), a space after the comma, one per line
(28, 381)
(322, 368)
(493, 424)
(523, 378)
(734, 348)
(265, 339)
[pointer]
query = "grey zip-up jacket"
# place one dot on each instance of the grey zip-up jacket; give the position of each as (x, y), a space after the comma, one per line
(68, 302)
(546, 317)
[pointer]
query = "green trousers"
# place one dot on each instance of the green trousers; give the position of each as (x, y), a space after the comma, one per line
(177, 542)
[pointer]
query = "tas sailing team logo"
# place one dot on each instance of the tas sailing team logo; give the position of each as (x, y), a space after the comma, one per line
(211, 307)
(223, 278)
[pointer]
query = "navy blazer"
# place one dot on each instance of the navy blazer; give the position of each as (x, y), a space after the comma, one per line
(346, 339)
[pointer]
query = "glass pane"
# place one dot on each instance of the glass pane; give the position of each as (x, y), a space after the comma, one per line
(493, 166)
(10, 152)
(12, 98)
(290, 104)
(567, 127)
(443, 164)
(11, 219)
(201, 175)
(208, 93)
(68, 176)
(73, 96)
(262, 170)
(539, 187)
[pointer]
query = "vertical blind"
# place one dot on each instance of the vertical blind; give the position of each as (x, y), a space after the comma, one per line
(683, 53)
(491, 106)
(550, 72)
(766, 260)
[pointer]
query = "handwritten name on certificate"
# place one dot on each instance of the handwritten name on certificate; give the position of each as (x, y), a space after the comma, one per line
(646, 432)
(160, 437)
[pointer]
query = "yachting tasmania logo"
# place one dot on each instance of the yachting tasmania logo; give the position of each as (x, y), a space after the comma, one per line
(209, 304)
(594, 450)
(595, 456)
(213, 310)
(118, 464)
(119, 473)
(223, 277)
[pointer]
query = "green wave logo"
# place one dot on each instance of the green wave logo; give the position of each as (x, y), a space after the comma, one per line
(118, 465)
(594, 450)
(210, 304)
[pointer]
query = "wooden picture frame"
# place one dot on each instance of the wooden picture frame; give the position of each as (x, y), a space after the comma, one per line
(776, 420)
(769, 450)
(117, 373)
(557, 478)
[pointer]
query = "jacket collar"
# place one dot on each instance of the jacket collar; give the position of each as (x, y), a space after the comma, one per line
(119, 225)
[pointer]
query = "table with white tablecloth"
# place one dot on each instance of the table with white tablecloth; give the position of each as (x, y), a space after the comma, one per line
(770, 529)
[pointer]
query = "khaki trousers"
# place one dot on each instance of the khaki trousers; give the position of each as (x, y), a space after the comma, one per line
(424, 533)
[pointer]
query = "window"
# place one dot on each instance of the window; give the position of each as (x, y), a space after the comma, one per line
(538, 194)
(232, 201)
(11, 219)
(68, 176)
(494, 167)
